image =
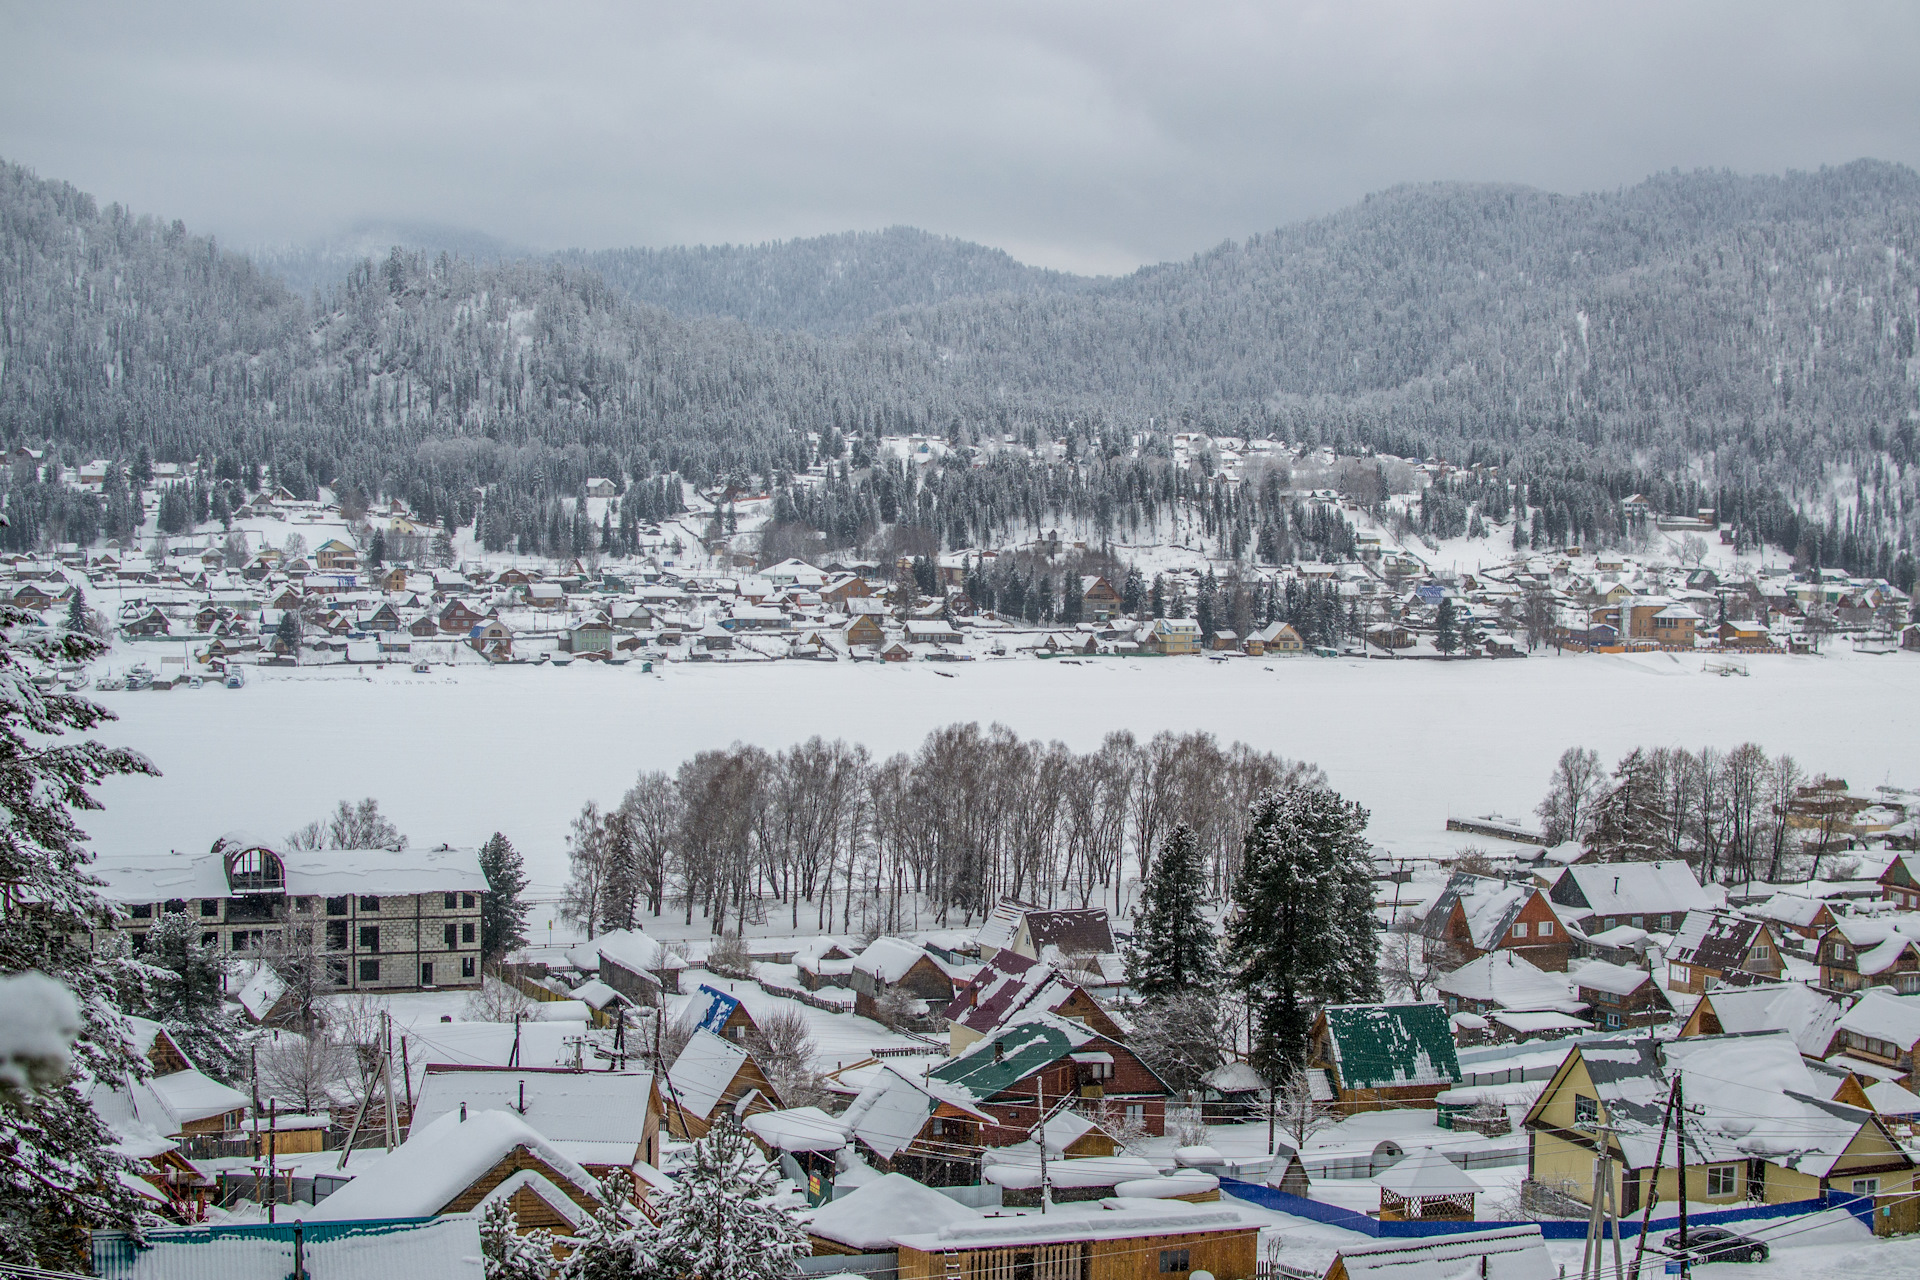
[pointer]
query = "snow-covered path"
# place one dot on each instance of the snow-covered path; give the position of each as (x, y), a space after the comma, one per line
(456, 755)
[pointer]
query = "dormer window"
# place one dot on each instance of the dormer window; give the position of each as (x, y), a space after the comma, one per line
(255, 870)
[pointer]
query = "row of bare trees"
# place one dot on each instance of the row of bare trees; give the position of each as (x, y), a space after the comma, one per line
(973, 815)
(1733, 814)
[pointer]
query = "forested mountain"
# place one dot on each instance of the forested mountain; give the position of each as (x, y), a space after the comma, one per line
(1742, 342)
(827, 284)
(324, 264)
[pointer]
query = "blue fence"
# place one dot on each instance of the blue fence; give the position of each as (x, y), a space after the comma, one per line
(1279, 1201)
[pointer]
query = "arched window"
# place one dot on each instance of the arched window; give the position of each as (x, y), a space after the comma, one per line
(254, 870)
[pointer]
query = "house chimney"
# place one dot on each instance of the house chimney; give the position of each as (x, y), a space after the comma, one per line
(463, 1113)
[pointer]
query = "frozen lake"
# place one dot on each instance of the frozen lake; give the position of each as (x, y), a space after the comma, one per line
(454, 757)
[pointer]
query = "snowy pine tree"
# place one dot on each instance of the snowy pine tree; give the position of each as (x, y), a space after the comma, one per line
(184, 994)
(1630, 822)
(1446, 628)
(1175, 948)
(503, 917)
(719, 1221)
(58, 1172)
(1305, 934)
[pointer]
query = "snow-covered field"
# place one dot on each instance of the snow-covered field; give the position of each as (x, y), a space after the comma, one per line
(456, 755)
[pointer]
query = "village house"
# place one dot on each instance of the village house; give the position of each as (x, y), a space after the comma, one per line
(177, 1100)
(1615, 1092)
(1655, 896)
(1807, 1015)
(1794, 917)
(1173, 635)
(714, 1073)
(1868, 951)
(1099, 602)
(602, 1120)
(380, 920)
(1371, 1057)
(1714, 947)
(633, 964)
(335, 556)
(1477, 914)
(1010, 984)
(1621, 995)
(1879, 1037)
(1125, 1240)
(1503, 982)
(891, 965)
(463, 1163)
(1900, 882)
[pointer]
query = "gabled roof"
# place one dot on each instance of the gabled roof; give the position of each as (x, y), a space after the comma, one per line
(1631, 888)
(1005, 985)
(1511, 982)
(890, 959)
(437, 1162)
(1392, 1045)
(702, 1072)
(1789, 909)
(1489, 906)
(868, 1217)
(1614, 979)
(1081, 930)
(708, 1010)
(892, 1108)
(1508, 1253)
(1792, 1007)
(562, 1106)
(1714, 940)
(993, 1064)
(1885, 1017)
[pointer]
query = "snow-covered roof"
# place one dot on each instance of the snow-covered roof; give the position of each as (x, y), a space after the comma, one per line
(562, 1106)
(1788, 909)
(1714, 940)
(1392, 1045)
(1426, 1172)
(1019, 1170)
(1111, 1219)
(1792, 1007)
(1889, 1099)
(490, 1044)
(192, 1095)
(1488, 905)
(702, 1072)
(158, 877)
(869, 1217)
(424, 1174)
(889, 959)
(892, 1108)
(1885, 1016)
(445, 1247)
(798, 1129)
(1634, 888)
(1614, 979)
(1508, 1253)
(1509, 981)
(1234, 1077)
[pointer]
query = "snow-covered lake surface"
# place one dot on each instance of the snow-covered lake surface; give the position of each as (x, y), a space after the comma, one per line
(456, 755)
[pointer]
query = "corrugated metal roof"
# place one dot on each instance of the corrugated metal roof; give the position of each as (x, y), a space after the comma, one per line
(438, 1247)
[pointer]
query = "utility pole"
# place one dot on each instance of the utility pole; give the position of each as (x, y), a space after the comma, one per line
(386, 1073)
(1653, 1184)
(1040, 1096)
(1605, 1209)
(273, 1174)
(1680, 1162)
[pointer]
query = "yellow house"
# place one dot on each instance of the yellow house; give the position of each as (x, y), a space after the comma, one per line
(1745, 1094)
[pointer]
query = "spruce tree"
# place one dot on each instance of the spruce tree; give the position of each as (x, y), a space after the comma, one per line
(503, 917)
(719, 1222)
(1174, 945)
(1304, 935)
(59, 1174)
(1630, 821)
(1446, 633)
(77, 611)
(184, 995)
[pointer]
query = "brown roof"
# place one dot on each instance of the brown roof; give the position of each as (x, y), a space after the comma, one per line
(1076, 932)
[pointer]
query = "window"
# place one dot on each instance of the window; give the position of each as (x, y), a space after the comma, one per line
(369, 902)
(448, 900)
(1639, 922)
(1175, 1260)
(337, 973)
(1613, 1019)
(1762, 952)
(337, 906)
(1136, 1113)
(466, 933)
(369, 937)
(143, 911)
(369, 971)
(336, 935)
(466, 901)
(1546, 928)
(1586, 1111)
(1520, 929)
(1722, 1180)
(176, 905)
(449, 933)
(1866, 1186)
(466, 966)
(210, 907)
(426, 975)
(210, 940)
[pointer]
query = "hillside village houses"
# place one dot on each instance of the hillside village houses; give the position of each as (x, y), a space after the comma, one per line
(680, 600)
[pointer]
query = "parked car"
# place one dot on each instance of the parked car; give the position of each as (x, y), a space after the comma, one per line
(1712, 1244)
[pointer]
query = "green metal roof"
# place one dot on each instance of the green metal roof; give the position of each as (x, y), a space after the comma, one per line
(1377, 1046)
(1024, 1048)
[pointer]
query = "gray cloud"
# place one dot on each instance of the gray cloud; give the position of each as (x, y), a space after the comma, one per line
(1091, 136)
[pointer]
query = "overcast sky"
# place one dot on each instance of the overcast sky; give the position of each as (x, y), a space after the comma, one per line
(1091, 136)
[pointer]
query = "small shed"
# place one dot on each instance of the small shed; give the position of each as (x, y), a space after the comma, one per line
(1507, 1253)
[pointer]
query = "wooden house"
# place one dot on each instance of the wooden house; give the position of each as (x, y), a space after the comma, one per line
(634, 964)
(1099, 602)
(1173, 635)
(466, 1161)
(457, 618)
(1477, 914)
(1865, 951)
(335, 556)
(1009, 985)
(492, 638)
(1621, 996)
(893, 964)
(1900, 882)
(1372, 1057)
(603, 1120)
(1127, 1240)
(710, 1076)
(719, 1012)
(1511, 1253)
(1806, 1014)
(1880, 1037)
(1614, 1092)
(1795, 917)
(1714, 947)
(864, 632)
(1655, 896)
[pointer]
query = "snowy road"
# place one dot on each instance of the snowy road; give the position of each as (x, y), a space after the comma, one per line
(453, 757)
